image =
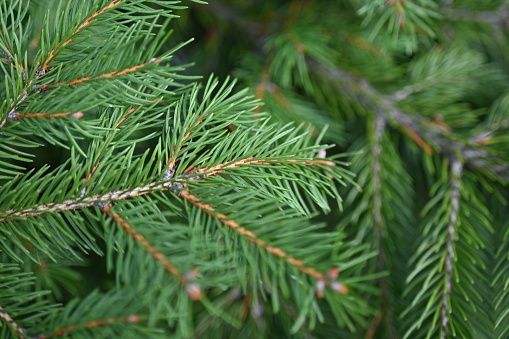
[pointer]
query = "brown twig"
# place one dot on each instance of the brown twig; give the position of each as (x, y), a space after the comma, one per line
(64, 331)
(374, 325)
(250, 235)
(192, 289)
(87, 22)
(109, 74)
(17, 116)
(213, 170)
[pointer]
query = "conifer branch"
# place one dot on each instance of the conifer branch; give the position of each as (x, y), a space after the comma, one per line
(64, 331)
(17, 116)
(417, 126)
(5, 317)
(91, 201)
(88, 21)
(86, 202)
(117, 125)
(109, 74)
(213, 170)
(176, 186)
(46, 64)
(6, 55)
(19, 100)
(172, 160)
(497, 18)
(277, 252)
(378, 220)
(192, 289)
(453, 217)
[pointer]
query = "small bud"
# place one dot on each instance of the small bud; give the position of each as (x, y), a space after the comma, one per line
(339, 287)
(78, 115)
(168, 175)
(133, 318)
(194, 291)
(320, 287)
(12, 116)
(321, 154)
(300, 47)
(333, 273)
(82, 193)
(191, 275)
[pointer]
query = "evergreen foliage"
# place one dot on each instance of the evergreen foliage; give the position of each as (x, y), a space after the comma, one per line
(357, 188)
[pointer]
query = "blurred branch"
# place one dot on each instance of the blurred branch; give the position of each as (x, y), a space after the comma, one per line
(498, 18)
(369, 97)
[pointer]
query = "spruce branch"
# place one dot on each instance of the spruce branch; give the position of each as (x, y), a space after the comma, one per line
(496, 18)
(176, 150)
(453, 223)
(402, 18)
(174, 185)
(378, 221)
(322, 280)
(449, 259)
(85, 23)
(416, 126)
(193, 290)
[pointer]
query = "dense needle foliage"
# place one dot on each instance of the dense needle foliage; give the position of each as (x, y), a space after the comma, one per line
(351, 183)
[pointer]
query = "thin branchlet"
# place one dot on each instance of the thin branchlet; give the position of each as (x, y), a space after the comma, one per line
(179, 187)
(65, 331)
(452, 224)
(175, 186)
(192, 288)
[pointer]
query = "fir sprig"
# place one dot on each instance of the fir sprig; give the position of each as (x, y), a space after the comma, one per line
(182, 186)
